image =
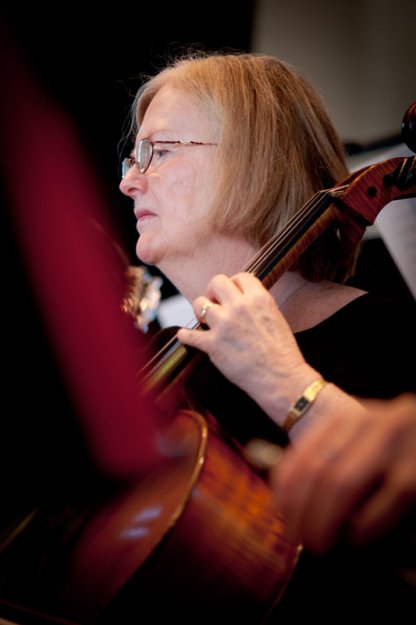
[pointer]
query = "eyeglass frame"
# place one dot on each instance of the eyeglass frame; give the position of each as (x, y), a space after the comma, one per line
(129, 161)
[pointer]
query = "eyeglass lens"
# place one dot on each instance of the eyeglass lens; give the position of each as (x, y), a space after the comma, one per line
(144, 154)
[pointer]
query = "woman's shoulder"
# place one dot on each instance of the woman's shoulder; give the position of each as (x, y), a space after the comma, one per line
(377, 308)
(327, 304)
(364, 346)
(366, 319)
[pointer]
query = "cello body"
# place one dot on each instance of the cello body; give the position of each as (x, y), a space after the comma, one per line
(198, 538)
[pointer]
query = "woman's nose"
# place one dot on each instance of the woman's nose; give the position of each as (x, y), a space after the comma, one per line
(132, 182)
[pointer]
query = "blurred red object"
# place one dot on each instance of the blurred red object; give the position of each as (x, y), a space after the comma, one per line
(56, 204)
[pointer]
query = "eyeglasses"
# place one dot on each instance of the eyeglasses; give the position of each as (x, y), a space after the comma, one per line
(144, 154)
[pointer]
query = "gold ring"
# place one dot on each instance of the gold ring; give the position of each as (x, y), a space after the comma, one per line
(204, 311)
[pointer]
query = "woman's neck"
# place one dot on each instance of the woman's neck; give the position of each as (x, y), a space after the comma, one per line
(220, 254)
(305, 304)
(286, 288)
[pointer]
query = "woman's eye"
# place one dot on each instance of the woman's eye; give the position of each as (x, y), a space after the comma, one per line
(159, 152)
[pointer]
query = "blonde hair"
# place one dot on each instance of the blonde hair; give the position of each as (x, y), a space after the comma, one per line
(277, 148)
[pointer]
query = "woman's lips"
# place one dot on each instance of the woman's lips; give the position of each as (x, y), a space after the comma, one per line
(143, 214)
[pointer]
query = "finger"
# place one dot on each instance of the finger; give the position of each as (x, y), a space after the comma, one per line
(223, 289)
(389, 503)
(203, 311)
(309, 483)
(378, 514)
(293, 479)
(248, 282)
(193, 338)
(201, 306)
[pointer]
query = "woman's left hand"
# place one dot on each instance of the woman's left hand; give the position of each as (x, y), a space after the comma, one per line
(248, 339)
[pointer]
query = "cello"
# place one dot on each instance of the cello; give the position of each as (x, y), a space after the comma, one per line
(122, 556)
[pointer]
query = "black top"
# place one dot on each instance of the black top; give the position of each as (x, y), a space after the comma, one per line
(367, 347)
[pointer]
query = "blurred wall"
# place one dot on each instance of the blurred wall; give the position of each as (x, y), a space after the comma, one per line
(360, 54)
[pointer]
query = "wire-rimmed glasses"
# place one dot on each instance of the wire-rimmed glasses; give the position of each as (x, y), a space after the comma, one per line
(144, 151)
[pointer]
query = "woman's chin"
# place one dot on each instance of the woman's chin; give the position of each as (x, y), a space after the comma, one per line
(148, 253)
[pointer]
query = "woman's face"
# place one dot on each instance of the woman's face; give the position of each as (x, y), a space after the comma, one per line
(173, 197)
